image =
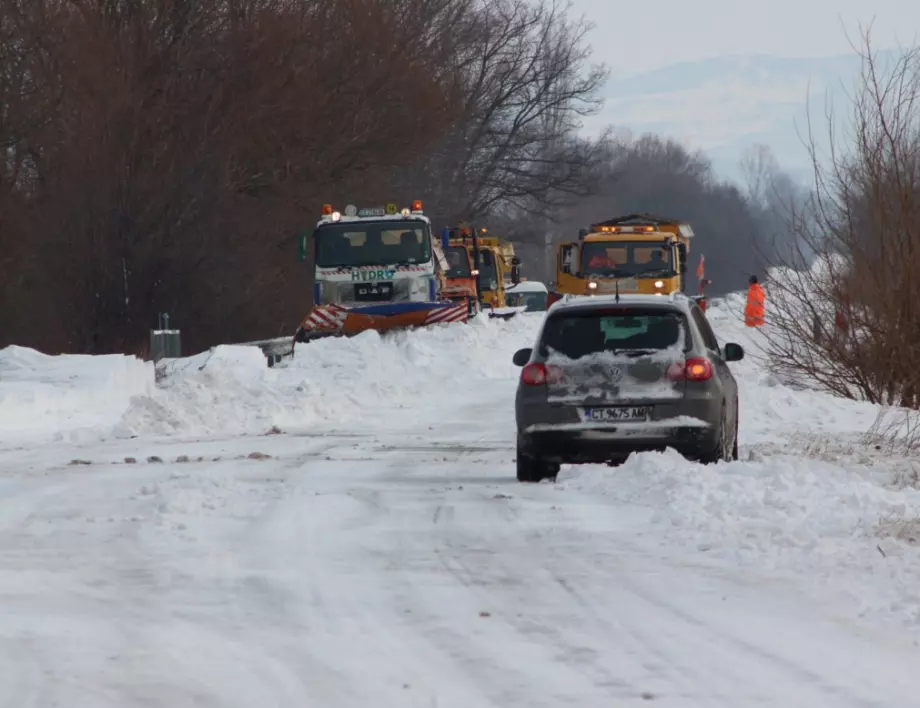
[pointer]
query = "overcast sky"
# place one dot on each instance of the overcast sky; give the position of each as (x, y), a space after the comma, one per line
(632, 37)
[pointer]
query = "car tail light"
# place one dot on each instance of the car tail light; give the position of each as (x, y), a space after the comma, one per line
(538, 374)
(551, 298)
(695, 369)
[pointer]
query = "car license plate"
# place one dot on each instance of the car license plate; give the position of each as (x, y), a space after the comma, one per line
(620, 413)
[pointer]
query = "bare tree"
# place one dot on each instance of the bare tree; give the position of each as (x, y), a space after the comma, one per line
(162, 154)
(522, 84)
(843, 314)
(759, 168)
(184, 144)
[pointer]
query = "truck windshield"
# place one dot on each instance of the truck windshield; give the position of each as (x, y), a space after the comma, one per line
(356, 244)
(488, 274)
(459, 262)
(621, 259)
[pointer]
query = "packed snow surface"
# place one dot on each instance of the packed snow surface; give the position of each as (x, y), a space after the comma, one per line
(345, 530)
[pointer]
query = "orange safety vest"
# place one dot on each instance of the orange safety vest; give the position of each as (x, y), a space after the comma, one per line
(840, 318)
(754, 309)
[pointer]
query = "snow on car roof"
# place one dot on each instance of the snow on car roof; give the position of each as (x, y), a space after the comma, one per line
(678, 300)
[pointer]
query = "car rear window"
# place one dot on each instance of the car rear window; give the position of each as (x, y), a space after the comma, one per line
(579, 333)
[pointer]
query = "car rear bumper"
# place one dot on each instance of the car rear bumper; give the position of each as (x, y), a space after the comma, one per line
(587, 443)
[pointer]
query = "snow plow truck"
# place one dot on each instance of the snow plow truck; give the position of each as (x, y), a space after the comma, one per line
(488, 270)
(637, 253)
(463, 273)
(498, 266)
(375, 269)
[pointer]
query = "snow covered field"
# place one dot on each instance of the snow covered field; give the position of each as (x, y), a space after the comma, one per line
(346, 530)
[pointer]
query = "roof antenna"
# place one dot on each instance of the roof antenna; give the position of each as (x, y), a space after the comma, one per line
(616, 284)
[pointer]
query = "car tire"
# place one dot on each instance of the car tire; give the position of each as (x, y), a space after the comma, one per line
(735, 455)
(530, 469)
(725, 448)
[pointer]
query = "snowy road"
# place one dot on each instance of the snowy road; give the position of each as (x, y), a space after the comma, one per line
(318, 578)
(378, 552)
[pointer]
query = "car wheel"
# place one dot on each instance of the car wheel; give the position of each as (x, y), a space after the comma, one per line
(735, 442)
(724, 446)
(530, 469)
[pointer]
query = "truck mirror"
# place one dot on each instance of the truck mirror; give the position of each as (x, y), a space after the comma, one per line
(565, 258)
(682, 253)
(516, 272)
(302, 246)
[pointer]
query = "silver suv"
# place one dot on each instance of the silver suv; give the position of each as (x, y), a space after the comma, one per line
(612, 375)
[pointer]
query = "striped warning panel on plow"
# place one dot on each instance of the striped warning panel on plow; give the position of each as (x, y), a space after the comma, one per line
(326, 317)
(453, 313)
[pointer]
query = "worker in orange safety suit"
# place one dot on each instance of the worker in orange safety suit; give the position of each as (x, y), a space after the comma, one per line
(840, 318)
(754, 309)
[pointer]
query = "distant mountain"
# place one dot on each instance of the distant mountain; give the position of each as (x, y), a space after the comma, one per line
(727, 104)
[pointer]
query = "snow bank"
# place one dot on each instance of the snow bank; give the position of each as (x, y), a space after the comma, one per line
(836, 525)
(771, 411)
(46, 398)
(363, 379)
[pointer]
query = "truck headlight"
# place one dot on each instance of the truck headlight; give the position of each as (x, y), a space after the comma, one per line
(659, 283)
(592, 285)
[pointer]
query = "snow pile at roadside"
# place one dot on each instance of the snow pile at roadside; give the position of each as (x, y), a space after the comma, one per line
(835, 525)
(840, 524)
(770, 410)
(47, 398)
(366, 379)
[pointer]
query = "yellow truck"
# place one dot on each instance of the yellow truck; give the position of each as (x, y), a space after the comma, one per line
(637, 253)
(497, 263)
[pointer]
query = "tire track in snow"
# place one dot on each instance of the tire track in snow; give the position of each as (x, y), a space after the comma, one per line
(560, 646)
(742, 665)
(366, 630)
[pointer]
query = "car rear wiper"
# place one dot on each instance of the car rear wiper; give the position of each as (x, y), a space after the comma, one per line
(633, 353)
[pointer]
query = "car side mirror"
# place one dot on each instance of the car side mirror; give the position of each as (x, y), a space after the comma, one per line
(733, 352)
(522, 356)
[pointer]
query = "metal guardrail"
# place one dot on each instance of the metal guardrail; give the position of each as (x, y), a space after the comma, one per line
(274, 349)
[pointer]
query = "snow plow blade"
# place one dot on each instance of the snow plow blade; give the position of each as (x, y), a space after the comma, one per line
(336, 320)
